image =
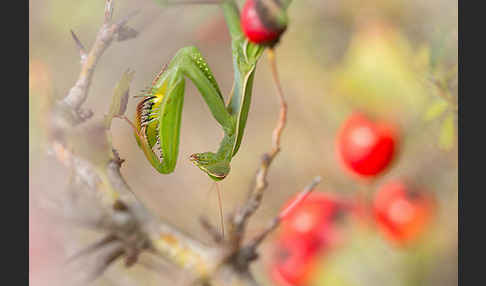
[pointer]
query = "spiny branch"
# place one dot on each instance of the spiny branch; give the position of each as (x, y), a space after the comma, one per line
(79, 92)
(127, 223)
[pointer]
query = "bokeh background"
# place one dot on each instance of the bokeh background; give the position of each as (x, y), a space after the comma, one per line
(337, 56)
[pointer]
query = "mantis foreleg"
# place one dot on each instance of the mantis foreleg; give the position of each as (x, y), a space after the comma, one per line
(159, 115)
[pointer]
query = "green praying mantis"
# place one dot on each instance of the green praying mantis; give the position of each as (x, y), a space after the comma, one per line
(158, 114)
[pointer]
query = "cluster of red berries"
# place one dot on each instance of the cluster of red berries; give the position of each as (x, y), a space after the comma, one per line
(305, 232)
(366, 149)
(400, 210)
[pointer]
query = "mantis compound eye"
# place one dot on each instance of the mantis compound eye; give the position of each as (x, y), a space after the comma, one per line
(263, 21)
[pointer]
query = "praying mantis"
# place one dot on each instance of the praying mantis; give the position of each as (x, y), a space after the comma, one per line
(158, 114)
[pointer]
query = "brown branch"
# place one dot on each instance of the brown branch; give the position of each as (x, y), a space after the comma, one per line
(78, 94)
(126, 221)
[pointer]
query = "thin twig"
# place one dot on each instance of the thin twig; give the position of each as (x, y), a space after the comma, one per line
(210, 229)
(277, 132)
(92, 248)
(284, 213)
(114, 252)
(78, 94)
(82, 49)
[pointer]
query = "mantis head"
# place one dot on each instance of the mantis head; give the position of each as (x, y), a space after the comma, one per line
(216, 169)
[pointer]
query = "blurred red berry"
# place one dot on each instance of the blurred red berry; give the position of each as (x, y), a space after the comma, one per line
(401, 211)
(365, 147)
(293, 260)
(259, 25)
(307, 231)
(315, 217)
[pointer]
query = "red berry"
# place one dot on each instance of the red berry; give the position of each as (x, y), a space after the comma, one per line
(258, 26)
(401, 211)
(315, 217)
(293, 260)
(366, 148)
(306, 231)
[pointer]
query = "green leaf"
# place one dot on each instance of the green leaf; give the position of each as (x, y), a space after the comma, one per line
(447, 133)
(120, 97)
(435, 110)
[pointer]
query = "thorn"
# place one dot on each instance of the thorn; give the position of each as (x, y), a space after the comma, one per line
(82, 50)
